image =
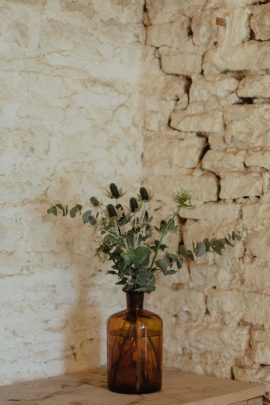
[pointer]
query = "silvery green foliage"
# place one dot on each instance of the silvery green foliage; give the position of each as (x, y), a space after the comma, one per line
(135, 249)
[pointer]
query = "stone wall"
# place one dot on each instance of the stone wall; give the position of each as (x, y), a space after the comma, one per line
(70, 124)
(70, 75)
(207, 129)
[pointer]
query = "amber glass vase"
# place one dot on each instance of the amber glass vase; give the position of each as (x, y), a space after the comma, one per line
(134, 349)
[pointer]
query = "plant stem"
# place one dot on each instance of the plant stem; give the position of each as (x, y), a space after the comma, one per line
(164, 233)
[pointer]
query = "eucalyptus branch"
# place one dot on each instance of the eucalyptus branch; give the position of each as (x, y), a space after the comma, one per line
(127, 237)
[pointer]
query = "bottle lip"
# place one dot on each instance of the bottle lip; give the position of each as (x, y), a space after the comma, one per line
(134, 292)
(135, 300)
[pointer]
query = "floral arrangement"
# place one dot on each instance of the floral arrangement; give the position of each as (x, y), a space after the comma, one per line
(136, 248)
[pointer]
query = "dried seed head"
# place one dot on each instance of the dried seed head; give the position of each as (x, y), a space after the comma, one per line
(92, 220)
(144, 194)
(94, 201)
(114, 191)
(133, 204)
(111, 211)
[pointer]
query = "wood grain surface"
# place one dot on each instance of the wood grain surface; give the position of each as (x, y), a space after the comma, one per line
(89, 388)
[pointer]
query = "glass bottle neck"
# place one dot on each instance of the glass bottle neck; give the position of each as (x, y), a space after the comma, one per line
(135, 301)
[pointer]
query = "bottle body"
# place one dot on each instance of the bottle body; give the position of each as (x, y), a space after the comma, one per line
(134, 349)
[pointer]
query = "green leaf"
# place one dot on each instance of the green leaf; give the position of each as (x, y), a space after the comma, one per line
(200, 249)
(183, 251)
(172, 256)
(52, 210)
(74, 210)
(60, 206)
(121, 282)
(179, 263)
(163, 263)
(170, 272)
(142, 256)
(128, 256)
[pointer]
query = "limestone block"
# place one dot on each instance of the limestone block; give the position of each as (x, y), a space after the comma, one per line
(203, 275)
(237, 184)
(261, 353)
(258, 159)
(204, 28)
(216, 363)
(253, 373)
(258, 244)
(217, 141)
(259, 21)
(232, 306)
(161, 11)
(256, 276)
(214, 89)
(196, 231)
(197, 118)
(157, 114)
(171, 34)
(186, 302)
(256, 215)
(219, 162)
(202, 187)
(251, 55)
(213, 212)
(227, 306)
(184, 61)
(204, 336)
(247, 125)
(166, 87)
(161, 91)
(254, 86)
(166, 156)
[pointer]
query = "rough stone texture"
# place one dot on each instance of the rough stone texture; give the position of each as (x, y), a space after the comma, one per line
(79, 109)
(251, 55)
(256, 216)
(214, 89)
(221, 49)
(176, 154)
(70, 124)
(197, 118)
(221, 162)
(236, 185)
(214, 212)
(186, 60)
(171, 34)
(259, 21)
(254, 86)
(247, 126)
(258, 159)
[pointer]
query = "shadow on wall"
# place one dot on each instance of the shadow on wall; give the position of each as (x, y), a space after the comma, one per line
(82, 327)
(81, 324)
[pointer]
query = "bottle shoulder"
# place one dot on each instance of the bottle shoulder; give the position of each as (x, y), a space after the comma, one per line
(140, 314)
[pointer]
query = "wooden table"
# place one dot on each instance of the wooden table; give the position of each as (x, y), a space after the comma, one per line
(89, 388)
